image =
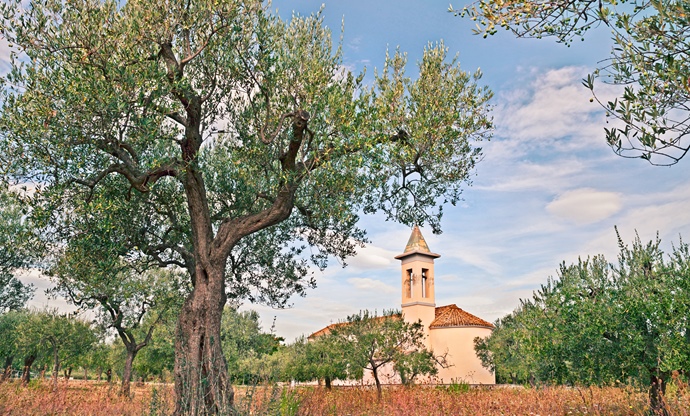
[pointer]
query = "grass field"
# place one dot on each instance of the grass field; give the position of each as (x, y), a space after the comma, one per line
(78, 398)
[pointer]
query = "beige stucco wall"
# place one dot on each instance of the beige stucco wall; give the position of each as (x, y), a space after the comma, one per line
(420, 312)
(459, 343)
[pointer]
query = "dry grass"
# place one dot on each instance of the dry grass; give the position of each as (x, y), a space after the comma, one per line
(79, 398)
(497, 401)
(91, 398)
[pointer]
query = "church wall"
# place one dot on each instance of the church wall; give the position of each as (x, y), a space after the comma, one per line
(459, 343)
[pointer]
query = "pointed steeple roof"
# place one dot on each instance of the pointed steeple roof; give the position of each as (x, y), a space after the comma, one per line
(417, 244)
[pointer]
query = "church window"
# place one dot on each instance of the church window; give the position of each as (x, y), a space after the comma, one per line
(425, 288)
(409, 282)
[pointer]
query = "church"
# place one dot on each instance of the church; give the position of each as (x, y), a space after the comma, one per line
(448, 329)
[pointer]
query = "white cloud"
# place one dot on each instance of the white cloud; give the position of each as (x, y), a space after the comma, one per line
(40, 299)
(367, 284)
(371, 257)
(355, 43)
(550, 175)
(470, 253)
(585, 205)
(551, 107)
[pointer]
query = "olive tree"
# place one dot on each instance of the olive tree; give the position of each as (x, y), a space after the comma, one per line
(242, 337)
(318, 358)
(373, 343)
(236, 138)
(53, 338)
(9, 321)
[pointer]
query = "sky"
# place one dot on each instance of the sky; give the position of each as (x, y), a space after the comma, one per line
(548, 190)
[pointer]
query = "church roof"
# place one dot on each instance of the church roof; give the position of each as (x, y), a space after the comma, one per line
(417, 244)
(446, 317)
(327, 330)
(451, 315)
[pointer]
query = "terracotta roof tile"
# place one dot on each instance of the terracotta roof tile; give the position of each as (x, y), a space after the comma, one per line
(451, 315)
(329, 328)
(325, 331)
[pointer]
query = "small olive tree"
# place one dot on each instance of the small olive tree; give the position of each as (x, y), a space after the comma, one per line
(368, 342)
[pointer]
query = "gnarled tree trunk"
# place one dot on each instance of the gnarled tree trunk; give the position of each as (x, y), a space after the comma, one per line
(202, 385)
(7, 368)
(28, 362)
(127, 372)
(375, 373)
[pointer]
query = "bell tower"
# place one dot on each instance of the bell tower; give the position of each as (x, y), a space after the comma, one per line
(418, 300)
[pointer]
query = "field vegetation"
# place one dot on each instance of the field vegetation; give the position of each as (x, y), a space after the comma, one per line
(100, 398)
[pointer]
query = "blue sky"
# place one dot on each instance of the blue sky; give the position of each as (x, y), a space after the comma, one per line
(548, 189)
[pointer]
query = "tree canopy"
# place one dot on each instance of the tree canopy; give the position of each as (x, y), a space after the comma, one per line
(233, 139)
(649, 60)
(319, 358)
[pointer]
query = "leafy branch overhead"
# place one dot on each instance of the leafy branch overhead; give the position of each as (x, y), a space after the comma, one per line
(649, 60)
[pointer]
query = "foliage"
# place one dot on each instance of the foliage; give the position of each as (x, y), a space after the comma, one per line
(98, 358)
(158, 358)
(322, 358)
(54, 338)
(93, 271)
(649, 59)
(15, 250)
(9, 350)
(503, 351)
(244, 343)
(600, 323)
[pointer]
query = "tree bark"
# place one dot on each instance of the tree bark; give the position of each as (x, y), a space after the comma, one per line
(127, 372)
(7, 369)
(375, 373)
(202, 385)
(28, 362)
(56, 367)
(328, 383)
